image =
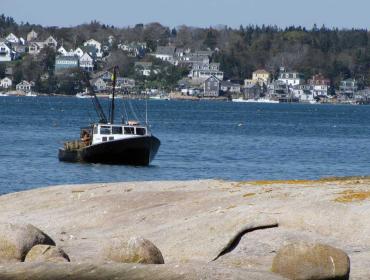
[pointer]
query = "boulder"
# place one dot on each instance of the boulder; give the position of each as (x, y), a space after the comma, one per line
(136, 250)
(311, 261)
(17, 239)
(46, 253)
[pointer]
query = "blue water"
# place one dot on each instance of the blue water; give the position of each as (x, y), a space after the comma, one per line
(225, 140)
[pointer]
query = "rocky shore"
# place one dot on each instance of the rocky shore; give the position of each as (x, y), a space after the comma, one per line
(207, 229)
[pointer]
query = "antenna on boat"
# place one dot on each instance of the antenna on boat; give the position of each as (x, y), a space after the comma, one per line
(111, 110)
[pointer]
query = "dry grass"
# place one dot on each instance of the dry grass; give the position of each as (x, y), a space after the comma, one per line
(249, 194)
(352, 196)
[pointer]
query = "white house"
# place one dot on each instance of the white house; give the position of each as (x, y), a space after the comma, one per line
(6, 83)
(202, 71)
(99, 84)
(291, 78)
(96, 45)
(86, 62)
(79, 52)
(35, 47)
(5, 52)
(24, 86)
(11, 38)
(51, 42)
(165, 53)
(62, 51)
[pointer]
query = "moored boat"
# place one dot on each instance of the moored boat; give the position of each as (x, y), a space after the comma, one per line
(106, 142)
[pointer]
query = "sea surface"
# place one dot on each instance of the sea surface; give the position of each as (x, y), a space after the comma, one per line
(200, 140)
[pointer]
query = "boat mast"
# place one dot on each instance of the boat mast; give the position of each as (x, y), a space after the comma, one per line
(113, 91)
(98, 108)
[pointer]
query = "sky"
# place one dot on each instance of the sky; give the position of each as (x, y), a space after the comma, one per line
(197, 13)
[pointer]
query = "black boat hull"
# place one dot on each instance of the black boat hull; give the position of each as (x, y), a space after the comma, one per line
(131, 151)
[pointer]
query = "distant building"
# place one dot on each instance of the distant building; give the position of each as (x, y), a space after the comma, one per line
(165, 53)
(32, 35)
(79, 52)
(34, 48)
(24, 86)
(87, 62)
(319, 85)
(144, 68)
(105, 75)
(211, 87)
(348, 87)
(66, 62)
(11, 38)
(51, 42)
(134, 49)
(6, 83)
(261, 76)
(62, 51)
(96, 45)
(228, 86)
(99, 84)
(204, 71)
(291, 78)
(6, 54)
(125, 83)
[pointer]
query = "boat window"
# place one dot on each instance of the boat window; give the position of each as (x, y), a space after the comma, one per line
(116, 130)
(104, 139)
(105, 130)
(95, 130)
(140, 131)
(129, 130)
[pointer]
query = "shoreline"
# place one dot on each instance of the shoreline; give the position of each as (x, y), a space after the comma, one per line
(191, 221)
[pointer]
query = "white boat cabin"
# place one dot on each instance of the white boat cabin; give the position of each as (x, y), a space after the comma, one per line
(111, 132)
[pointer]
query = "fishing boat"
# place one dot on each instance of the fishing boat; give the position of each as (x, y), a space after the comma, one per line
(106, 142)
(84, 94)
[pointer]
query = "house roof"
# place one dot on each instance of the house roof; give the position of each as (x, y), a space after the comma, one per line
(212, 77)
(261, 71)
(165, 50)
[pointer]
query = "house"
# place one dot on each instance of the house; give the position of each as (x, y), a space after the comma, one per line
(62, 51)
(228, 86)
(252, 91)
(134, 49)
(261, 76)
(51, 42)
(87, 62)
(319, 85)
(98, 84)
(165, 53)
(96, 45)
(19, 48)
(11, 38)
(144, 68)
(348, 87)
(125, 83)
(6, 54)
(291, 78)
(201, 71)
(105, 75)
(63, 63)
(24, 86)
(34, 48)
(79, 52)
(211, 87)
(6, 83)
(31, 36)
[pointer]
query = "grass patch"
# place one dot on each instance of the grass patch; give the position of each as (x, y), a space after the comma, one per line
(352, 196)
(249, 194)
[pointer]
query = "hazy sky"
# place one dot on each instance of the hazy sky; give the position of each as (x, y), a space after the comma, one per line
(203, 13)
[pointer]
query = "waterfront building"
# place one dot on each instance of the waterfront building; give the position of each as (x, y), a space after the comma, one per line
(291, 78)
(144, 68)
(319, 85)
(228, 86)
(6, 83)
(211, 87)
(63, 62)
(24, 86)
(125, 83)
(262, 77)
(99, 84)
(348, 87)
(62, 51)
(202, 72)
